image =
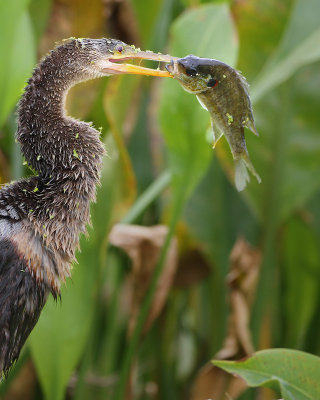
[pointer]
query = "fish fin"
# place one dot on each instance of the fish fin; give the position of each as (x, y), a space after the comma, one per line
(202, 103)
(242, 165)
(252, 169)
(217, 133)
(251, 125)
(241, 176)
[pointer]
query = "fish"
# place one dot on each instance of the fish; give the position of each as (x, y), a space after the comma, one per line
(224, 93)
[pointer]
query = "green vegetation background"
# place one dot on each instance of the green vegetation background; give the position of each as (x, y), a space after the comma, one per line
(156, 134)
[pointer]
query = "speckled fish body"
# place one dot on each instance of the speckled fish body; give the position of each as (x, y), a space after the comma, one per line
(222, 91)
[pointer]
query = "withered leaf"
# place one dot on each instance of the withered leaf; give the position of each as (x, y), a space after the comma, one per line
(143, 245)
(211, 382)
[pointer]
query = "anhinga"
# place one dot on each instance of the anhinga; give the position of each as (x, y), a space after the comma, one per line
(42, 217)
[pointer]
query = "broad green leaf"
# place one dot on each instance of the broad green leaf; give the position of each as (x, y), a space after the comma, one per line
(19, 50)
(184, 124)
(299, 46)
(206, 31)
(301, 276)
(10, 14)
(312, 208)
(39, 14)
(286, 154)
(159, 37)
(59, 337)
(260, 24)
(146, 18)
(296, 374)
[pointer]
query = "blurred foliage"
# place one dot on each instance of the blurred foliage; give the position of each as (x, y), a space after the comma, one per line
(161, 170)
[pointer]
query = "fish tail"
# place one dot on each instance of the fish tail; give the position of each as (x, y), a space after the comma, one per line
(242, 165)
(241, 176)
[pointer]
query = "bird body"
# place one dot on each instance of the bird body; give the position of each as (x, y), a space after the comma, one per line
(41, 217)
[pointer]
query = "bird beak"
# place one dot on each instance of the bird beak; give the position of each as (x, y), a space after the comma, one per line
(115, 65)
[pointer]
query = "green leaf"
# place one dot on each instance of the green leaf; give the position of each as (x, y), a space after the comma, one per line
(286, 154)
(184, 124)
(10, 14)
(296, 374)
(301, 279)
(260, 24)
(39, 14)
(147, 18)
(206, 31)
(59, 337)
(18, 53)
(298, 47)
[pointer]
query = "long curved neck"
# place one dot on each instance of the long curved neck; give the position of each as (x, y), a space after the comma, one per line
(51, 142)
(65, 152)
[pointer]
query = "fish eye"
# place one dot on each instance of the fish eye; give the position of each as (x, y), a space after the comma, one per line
(212, 83)
(191, 72)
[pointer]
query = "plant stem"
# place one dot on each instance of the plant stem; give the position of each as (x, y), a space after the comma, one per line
(131, 349)
(147, 197)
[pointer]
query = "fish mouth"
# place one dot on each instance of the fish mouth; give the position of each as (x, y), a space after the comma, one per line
(170, 67)
(175, 67)
(116, 63)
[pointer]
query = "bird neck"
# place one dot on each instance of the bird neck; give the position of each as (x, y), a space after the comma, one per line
(65, 152)
(52, 143)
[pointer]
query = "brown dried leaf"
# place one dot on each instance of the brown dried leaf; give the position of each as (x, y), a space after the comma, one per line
(242, 280)
(4, 168)
(73, 18)
(211, 382)
(214, 383)
(245, 264)
(143, 245)
(192, 268)
(23, 386)
(121, 21)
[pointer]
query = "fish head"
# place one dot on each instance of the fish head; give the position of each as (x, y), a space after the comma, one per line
(198, 75)
(189, 77)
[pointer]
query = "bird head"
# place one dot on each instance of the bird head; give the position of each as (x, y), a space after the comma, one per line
(103, 57)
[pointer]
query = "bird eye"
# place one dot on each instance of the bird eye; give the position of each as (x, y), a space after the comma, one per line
(212, 83)
(191, 72)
